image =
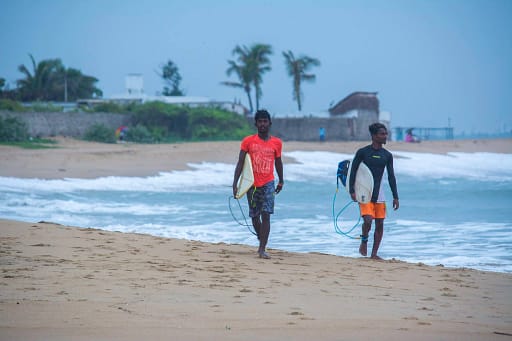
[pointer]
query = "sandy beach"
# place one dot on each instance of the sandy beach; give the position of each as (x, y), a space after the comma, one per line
(62, 282)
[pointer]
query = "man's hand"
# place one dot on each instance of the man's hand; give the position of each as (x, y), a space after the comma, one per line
(279, 187)
(396, 204)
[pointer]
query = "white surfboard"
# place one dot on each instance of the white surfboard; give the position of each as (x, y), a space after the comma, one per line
(246, 179)
(364, 183)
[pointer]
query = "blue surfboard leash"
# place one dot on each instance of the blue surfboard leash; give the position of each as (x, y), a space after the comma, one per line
(336, 216)
(245, 224)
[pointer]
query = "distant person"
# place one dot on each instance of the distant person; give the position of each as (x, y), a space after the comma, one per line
(321, 133)
(410, 137)
(265, 151)
(377, 159)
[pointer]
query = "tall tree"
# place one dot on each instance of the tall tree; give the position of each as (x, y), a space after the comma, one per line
(37, 84)
(297, 68)
(49, 80)
(242, 71)
(172, 78)
(260, 64)
(250, 65)
(71, 85)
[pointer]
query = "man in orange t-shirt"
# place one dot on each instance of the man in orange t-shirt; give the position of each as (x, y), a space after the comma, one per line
(265, 151)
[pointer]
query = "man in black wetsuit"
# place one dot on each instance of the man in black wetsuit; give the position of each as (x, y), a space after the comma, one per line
(376, 158)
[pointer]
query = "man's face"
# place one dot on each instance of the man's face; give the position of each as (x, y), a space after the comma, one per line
(381, 136)
(263, 125)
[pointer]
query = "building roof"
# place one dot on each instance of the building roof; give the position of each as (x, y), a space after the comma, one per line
(356, 100)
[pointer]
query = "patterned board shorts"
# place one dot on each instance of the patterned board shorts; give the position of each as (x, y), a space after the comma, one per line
(261, 199)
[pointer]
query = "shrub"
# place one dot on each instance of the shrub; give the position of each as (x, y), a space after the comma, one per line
(45, 107)
(172, 122)
(100, 133)
(109, 107)
(139, 134)
(10, 105)
(13, 130)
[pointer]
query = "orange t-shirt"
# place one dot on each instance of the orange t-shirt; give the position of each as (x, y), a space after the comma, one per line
(263, 154)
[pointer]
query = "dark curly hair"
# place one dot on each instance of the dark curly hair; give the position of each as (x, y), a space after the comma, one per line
(262, 113)
(374, 128)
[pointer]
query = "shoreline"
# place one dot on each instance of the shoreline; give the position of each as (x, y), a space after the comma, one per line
(80, 159)
(63, 282)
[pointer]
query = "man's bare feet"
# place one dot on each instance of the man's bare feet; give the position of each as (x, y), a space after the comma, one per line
(376, 257)
(363, 249)
(263, 255)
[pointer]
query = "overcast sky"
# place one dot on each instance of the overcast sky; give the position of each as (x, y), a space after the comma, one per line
(433, 63)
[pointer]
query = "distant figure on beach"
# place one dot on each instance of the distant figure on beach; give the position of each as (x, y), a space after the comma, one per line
(377, 159)
(265, 151)
(410, 137)
(321, 133)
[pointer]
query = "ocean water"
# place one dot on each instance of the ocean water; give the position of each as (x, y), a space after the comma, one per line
(455, 209)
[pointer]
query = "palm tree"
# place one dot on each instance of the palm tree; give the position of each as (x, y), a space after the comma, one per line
(244, 80)
(50, 80)
(260, 63)
(297, 69)
(241, 69)
(37, 84)
(249, 66)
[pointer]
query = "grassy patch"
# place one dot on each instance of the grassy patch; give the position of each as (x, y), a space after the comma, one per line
(33, 144)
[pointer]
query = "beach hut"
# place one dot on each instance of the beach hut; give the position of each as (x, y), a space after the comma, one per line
(359, 110)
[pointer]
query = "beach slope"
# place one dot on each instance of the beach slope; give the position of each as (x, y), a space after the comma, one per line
(63, 283)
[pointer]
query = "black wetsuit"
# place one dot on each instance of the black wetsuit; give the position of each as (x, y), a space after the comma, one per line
(376, 160)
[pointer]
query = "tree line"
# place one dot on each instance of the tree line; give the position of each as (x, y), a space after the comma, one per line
(50, 80)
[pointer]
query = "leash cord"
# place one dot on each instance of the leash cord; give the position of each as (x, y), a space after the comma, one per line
(335, 217)
(249, 226)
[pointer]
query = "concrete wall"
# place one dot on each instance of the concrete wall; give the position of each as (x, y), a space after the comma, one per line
(290, 129)
(66, 123)
(336, 128)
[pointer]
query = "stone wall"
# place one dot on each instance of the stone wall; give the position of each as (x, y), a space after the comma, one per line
(336, 128)
(72, 124)
(289, 129)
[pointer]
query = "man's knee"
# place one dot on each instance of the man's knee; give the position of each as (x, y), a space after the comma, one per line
(367, 219)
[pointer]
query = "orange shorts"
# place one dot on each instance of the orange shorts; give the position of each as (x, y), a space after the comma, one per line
(376, 209)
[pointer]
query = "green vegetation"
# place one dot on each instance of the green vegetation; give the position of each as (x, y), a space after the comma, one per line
(100, 133)
(13, 130)
(10, 105)
(110, 107)
(172, 78)
(44, 107)
(140, 134)
(152, 122)
(33, 144)
(169, 123)
(50, 80)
